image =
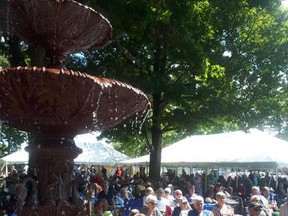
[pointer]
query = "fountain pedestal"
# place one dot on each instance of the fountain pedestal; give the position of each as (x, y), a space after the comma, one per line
(52, 190)
(55, 104)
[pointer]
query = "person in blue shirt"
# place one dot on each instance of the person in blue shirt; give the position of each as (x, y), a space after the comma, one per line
(107, 193)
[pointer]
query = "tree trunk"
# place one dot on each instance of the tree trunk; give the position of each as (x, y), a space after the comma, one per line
(155, 151)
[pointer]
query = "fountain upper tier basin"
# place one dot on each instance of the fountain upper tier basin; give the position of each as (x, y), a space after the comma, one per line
(60, 27)
(65, 103)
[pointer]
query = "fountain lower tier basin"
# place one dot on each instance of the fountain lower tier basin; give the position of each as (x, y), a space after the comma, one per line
(65, 103)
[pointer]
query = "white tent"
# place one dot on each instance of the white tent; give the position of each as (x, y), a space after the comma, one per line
(94, 152)
(97, 152)
(238, 149)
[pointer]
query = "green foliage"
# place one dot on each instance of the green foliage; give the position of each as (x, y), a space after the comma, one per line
(10, 139)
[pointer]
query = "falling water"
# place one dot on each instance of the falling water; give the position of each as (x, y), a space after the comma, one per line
(1, 141)
(145, 114)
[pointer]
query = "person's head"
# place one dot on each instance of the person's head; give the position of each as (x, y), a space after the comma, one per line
(133, 212)
(167, 192)
(191, 189)
(105, 186)
(255, 190)
(217, 187)
(255, 198)
(198, 203)
(101, 205)
(151, 202)
(178, 194)
(123, 193)
(266, 191)
(230, 190)
(183, 202)
(160, 193)
(220, 197)
(255, 208)
(149, 190)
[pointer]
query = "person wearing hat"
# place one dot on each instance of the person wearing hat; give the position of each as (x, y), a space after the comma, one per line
(221, 208)
(183, 208)
(150, 207)
(255, 204)
(256, 209)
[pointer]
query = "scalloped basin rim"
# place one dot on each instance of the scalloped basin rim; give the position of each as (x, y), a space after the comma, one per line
(60, 101)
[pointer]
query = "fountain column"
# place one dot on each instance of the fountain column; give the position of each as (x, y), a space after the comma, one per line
(51, 161)
(54, 104)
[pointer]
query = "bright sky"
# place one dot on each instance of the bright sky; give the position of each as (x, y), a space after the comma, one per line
(285, 3)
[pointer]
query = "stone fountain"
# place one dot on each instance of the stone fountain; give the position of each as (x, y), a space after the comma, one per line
(54, 104)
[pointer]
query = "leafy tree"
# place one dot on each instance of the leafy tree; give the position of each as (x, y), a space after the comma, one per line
(207, 66)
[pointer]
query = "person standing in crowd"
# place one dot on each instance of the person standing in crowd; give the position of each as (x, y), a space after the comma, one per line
(107, 193)
(150, 207)
(198, 184)
(118, 172)
(198, 204)
(221, 209)
(191, 194)
(104, 173)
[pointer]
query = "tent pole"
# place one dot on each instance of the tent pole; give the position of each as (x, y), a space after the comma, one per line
(237, 179)
(205, 181)
(276, 171)
(6, 169)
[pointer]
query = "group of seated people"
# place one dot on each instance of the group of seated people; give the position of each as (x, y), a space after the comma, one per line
(191, 204)
(121, 195)
(170, 202)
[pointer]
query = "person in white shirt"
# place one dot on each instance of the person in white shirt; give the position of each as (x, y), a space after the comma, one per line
(162, 202)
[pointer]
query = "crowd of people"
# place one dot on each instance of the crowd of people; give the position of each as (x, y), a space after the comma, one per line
(196, 194)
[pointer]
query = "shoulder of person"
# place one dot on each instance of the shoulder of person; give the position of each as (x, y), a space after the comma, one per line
(207, 213)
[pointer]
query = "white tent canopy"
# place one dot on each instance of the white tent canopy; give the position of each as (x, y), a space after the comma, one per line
(238, 149)
(94, 152)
